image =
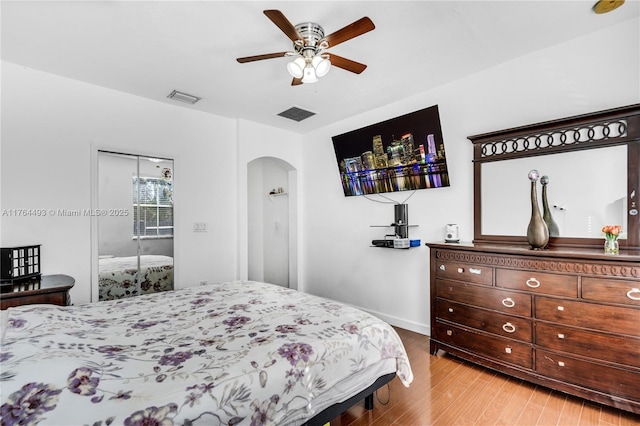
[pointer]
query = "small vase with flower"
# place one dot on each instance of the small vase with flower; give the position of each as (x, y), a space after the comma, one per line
(611, 234)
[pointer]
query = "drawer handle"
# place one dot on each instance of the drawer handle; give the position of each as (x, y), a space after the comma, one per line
(560, 336)
(443, 268)
(450, 309)
(561, 308)
(449, 333)
(475, 271)
(560, 363)
(507, 350)
(460, 270)
(508, 302)
(630, 294)
(509, 328)
(533, 283)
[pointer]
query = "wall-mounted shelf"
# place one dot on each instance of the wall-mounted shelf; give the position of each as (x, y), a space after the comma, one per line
(400, 221)
(276, 194)
(396, 243)
(401, 228)
(394, 225)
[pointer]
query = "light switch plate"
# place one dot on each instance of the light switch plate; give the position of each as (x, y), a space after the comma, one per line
(199, 227)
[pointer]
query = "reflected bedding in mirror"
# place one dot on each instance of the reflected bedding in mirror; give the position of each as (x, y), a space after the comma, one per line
(117, 276)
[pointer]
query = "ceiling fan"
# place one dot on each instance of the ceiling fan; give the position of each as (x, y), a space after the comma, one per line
(310, 60)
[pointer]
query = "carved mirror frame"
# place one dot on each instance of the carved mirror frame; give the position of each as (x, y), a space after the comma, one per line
(618, 126)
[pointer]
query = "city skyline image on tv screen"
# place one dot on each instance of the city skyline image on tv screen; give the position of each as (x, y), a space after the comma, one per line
(401, 154)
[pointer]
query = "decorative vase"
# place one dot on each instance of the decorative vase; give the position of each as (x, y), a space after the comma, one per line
(537, 232)
(552, 226)
(611, 246)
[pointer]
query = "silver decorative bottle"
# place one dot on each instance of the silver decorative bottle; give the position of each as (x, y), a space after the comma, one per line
(552, 226)
(537, 232)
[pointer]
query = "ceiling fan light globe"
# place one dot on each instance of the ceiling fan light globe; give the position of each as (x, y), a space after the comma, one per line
(321, 65)
(309, 75)
(296, 67)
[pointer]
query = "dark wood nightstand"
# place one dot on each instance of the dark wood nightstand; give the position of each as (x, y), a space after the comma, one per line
(52, 289)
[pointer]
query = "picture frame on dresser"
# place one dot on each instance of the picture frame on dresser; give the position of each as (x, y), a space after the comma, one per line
(566, 316)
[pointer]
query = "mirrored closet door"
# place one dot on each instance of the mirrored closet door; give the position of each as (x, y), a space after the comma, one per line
(135, 225)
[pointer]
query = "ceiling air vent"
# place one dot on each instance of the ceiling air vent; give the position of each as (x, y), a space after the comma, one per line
(183, 97)
(296, 114)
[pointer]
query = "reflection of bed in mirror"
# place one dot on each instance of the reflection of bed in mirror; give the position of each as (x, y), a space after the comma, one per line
(231, 353)
(117, 275)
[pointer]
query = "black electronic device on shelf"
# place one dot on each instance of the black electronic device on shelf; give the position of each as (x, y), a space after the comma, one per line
(382, 243)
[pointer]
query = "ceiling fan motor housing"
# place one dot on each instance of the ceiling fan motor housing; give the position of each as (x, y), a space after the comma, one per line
(311, 34)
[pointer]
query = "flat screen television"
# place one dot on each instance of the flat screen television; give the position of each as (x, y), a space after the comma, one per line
(401, 154)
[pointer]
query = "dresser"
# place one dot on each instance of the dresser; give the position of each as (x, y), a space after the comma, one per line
(567, 319)
(51, 289)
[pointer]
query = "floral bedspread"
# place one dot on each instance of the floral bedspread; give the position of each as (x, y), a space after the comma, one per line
(237, 353)
(117, 276)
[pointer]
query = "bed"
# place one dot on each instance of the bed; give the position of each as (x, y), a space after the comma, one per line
(117, 275)
(236, 353)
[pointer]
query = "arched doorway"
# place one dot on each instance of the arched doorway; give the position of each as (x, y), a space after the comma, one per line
(272, 221)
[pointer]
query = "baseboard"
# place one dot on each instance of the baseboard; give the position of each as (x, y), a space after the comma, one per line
(395, 321)
(400, 322)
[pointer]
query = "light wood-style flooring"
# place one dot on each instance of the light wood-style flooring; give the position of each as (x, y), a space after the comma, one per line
(449, 391)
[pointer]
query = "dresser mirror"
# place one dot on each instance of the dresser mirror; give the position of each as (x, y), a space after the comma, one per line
(586, 190)
(592, 163)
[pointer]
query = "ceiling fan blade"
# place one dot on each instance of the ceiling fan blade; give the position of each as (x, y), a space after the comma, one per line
(346, 64)
(296, 81)
(261, 57)
(359, 27)
(283, 23)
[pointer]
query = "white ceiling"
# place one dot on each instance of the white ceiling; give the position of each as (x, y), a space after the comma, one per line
(149, 48)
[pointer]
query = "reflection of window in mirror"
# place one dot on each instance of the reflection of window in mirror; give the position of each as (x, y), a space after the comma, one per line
(586, 190)
(152, 207)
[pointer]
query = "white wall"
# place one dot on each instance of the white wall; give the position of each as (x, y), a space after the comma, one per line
(255, 222)
(51, 128)
(589, 74)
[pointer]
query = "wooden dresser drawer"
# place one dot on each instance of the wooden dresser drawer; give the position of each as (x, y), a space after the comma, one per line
(538, 282)
(608, 347)
(477, 274)
(492, 298)
(611, 290)
(589, 315)
(604, 378)
(49, 298)
(506, 350)
(489, 321)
